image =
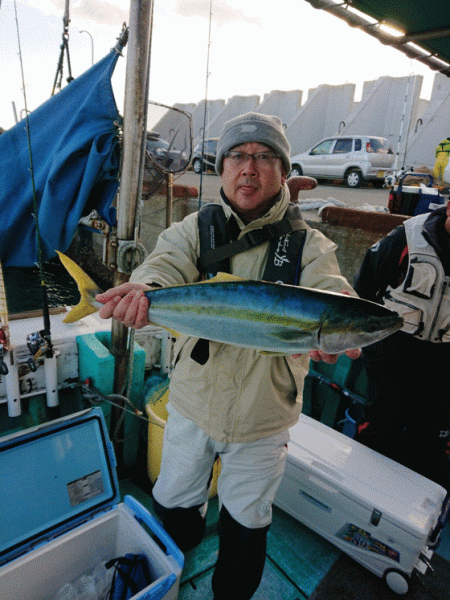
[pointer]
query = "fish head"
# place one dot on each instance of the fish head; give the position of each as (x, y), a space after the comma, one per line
(360, 324)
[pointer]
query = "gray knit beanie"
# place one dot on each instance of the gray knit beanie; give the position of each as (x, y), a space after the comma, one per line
(254, 127)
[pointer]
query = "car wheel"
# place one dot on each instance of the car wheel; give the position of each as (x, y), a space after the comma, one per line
(397, 581)
(296, 171)
(353, 178)
(197, 165)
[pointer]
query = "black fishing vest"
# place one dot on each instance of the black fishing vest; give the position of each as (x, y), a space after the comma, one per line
(218, 244)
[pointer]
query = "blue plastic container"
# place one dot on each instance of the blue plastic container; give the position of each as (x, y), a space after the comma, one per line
(61, 516)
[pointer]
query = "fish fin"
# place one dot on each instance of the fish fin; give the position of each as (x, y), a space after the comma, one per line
(82, 279)
(88, 290)
(221, 277)
(82, 309)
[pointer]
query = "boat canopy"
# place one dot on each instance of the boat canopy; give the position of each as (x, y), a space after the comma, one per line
(63, 159)
(423, 26)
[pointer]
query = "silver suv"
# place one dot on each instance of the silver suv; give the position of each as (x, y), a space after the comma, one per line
(353, 158)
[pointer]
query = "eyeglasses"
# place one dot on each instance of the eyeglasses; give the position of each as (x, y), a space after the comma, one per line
(262, 159)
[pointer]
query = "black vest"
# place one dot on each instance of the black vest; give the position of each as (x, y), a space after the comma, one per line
(218, 243)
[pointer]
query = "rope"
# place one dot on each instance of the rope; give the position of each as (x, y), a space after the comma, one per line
(64, 50)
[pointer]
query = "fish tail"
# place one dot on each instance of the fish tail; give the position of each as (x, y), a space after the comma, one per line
(86, 286)
(82, 309)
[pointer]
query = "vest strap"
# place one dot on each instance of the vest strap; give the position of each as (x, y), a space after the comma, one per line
(250, 240)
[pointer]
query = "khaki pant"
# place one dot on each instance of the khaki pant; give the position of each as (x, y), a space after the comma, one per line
(250, 472)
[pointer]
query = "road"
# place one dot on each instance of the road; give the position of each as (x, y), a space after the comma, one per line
(352, 198)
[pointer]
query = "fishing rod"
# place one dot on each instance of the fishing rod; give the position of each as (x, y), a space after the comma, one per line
(205, 114)
(40, 343)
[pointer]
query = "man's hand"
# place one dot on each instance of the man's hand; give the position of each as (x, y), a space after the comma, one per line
(126, 303)
(331, 359)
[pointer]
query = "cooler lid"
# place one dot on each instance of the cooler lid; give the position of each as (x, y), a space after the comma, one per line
(53, 477)
(405, 498)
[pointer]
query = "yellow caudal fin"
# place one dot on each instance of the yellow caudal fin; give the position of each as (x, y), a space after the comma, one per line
(222, 277)
(82, 309)
(88, 290)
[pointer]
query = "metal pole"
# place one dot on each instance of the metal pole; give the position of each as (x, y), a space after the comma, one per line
(92, 44)
(169, 199)
(134, 127)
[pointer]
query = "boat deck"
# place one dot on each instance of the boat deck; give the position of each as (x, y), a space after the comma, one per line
(301, 565)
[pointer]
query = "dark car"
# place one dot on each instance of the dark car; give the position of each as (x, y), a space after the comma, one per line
(209, 155)
(164, 154)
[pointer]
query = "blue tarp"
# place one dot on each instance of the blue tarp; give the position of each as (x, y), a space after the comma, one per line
(75, 157)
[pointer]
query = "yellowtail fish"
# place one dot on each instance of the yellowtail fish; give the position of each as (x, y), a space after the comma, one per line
(272, 318)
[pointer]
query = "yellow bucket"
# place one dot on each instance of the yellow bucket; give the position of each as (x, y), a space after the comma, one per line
(157, 416)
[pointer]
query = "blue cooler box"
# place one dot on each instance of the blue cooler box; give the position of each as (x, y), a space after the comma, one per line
(60, 514)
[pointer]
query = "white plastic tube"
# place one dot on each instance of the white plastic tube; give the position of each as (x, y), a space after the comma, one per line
(13, 389)
(51, 381)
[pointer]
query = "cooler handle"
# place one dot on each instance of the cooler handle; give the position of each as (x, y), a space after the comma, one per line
(434, 536)
(142, 514)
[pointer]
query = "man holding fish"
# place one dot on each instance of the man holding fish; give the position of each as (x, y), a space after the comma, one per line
(228, 400)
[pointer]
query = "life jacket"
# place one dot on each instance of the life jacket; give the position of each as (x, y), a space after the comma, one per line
(217, 246)
(286, 238)
(423, 298)
(443, 147)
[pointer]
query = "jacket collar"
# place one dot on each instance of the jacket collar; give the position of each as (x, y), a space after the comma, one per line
(274, 214)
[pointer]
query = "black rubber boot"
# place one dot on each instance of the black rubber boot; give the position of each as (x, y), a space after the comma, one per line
(240, 565)
(186, 526)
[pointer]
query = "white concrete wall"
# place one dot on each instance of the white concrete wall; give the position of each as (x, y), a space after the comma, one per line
(434, 128)
(170, 120)
(320, 116)
(214, 108)
(388, 108)
(282, 104)
(237, 105)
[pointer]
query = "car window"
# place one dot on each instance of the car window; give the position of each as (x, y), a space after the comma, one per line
(380, 146)
(323, 148)
(150, 144)
(342, 146)
(358, 145)
(211, 146)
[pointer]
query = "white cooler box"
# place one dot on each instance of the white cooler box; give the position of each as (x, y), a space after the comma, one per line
(382, 514)
(60, 514)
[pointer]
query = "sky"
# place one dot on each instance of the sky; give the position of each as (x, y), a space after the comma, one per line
(254, 48)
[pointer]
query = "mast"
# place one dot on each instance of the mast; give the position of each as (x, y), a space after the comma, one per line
(134, 129)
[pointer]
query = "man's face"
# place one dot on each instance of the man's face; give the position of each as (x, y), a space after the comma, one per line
(250, 187)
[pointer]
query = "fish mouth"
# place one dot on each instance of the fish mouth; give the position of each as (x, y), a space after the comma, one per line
(376, 330)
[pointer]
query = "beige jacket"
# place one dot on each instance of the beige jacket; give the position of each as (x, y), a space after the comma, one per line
(239, 395)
